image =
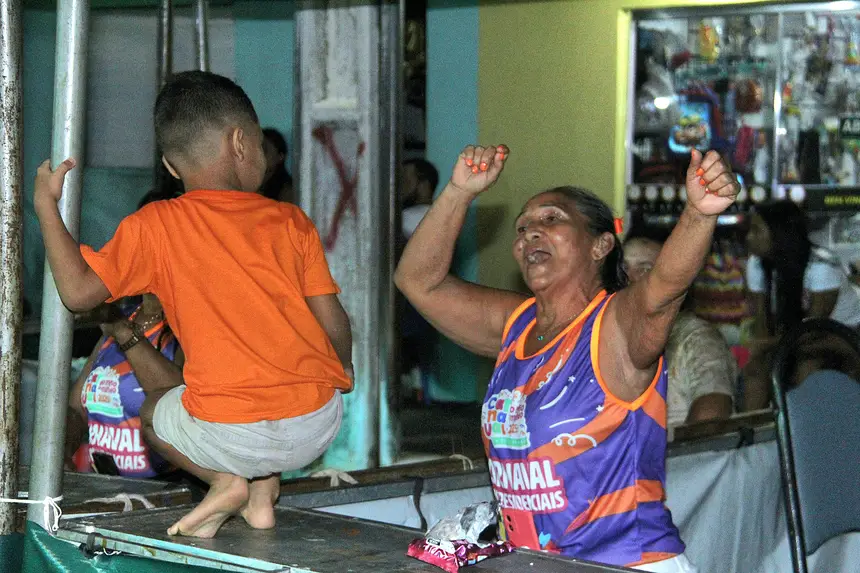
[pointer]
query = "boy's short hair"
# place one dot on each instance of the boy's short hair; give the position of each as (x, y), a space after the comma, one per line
(191, 102)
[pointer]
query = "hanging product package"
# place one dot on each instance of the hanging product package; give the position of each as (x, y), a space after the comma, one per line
(455, 542)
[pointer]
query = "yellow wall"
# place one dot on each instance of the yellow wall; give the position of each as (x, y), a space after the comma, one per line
(552, 85)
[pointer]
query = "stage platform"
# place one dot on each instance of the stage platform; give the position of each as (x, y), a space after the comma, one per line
(304, 541)
(79, 491)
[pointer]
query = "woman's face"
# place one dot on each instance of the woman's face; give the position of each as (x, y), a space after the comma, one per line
(758, 237)
(552, 242)
(639, 258)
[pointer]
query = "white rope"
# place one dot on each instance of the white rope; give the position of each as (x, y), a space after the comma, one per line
(50, 504)
(467, 463)
(335, 476)
(125, 498)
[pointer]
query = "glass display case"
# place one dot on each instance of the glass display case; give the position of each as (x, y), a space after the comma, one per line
(773, 87)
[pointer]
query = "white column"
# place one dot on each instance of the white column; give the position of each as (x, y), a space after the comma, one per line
(345, 184)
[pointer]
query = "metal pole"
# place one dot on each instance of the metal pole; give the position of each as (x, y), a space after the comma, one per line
(392, 14)
(165, 68)
(10, 254)
(201, 34)
(55, 347)
(165, 41)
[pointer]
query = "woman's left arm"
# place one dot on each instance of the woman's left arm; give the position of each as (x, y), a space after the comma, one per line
(641, 317)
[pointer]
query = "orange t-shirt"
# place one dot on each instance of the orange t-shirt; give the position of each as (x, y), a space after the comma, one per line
(232, 270)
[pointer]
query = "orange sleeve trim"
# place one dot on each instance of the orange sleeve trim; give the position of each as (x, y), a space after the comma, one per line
(505, 353)
(521, 341)
(655, 408)
(652, 557)
(514, 316)
(619, 501)
(558, 359)
(595, 364)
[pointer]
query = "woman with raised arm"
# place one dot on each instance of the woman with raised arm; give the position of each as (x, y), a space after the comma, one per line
(574, 421)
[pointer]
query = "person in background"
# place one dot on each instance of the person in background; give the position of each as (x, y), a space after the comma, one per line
(576, 408)
(789, 279)
(702, 370)
(105, 401)
(418, 181)
(277, 182)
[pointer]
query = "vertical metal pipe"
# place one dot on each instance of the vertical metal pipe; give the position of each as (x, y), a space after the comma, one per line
(55, 347)
(201, 33)
(10, 254)
(392, 101)
(165, 41)
(165, 68)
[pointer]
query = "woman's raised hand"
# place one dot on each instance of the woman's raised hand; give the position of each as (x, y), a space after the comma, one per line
(478, 168)
(711, 185)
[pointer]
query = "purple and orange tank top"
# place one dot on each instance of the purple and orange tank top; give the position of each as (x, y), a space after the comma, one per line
(112, 397)
(575, 470)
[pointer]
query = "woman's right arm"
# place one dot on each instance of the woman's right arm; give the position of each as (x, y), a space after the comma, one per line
(471, 315)
(757, 298)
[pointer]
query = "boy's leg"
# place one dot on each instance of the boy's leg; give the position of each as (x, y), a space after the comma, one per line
(259, 512)
(227, 495)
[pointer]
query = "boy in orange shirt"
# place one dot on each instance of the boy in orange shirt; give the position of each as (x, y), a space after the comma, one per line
(246, 288)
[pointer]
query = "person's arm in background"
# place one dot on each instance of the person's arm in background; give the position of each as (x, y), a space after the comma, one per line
(710, 407)
(709, 372)
(822, 281)
(755, 284)
(335, 322)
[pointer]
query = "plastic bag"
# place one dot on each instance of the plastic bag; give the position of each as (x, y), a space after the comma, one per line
(454, 541)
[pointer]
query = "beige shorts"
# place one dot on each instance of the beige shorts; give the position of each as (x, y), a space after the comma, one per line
(249, 450)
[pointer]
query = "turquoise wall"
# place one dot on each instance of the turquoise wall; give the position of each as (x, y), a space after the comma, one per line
(265, 42)
(264, 36)
(452, 122)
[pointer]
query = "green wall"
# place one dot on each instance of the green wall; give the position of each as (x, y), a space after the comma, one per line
(265, 42)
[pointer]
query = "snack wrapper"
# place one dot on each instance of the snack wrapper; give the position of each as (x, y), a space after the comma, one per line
(454, 541)
(451, 555)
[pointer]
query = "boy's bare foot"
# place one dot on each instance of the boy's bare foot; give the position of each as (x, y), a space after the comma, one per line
(227, 495)
(259, 512)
